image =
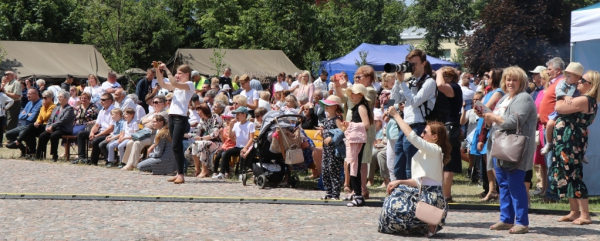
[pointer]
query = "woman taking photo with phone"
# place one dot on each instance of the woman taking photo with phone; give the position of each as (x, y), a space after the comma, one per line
(183, 89)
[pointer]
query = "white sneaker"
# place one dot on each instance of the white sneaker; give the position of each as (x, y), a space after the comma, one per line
(537, 192)
(220, 176)
(214, 175)
(546, 149)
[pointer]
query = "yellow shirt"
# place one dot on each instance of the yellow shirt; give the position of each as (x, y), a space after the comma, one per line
(45, 113)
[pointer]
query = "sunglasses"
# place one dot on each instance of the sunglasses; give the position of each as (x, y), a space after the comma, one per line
(358, 77)
(156, 102)
(103, 99)
(45, 98)
(169, 100)
(583, 81)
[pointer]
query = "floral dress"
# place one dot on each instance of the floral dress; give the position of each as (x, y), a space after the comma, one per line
(205, 149)
(332, 165)
(570, 139)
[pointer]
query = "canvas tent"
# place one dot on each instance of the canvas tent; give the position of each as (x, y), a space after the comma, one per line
(52, 60)
(585, 48)
(241, 61)
(377, 56)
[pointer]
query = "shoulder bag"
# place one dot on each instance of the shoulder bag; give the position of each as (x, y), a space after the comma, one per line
(293, 154)
(426, 212)
(509, 147)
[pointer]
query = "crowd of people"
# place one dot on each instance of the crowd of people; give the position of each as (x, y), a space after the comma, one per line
(416, 128)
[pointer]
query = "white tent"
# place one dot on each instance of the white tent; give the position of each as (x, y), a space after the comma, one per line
(585, 48)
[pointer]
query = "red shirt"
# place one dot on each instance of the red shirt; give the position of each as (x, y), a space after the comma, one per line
(549, 101)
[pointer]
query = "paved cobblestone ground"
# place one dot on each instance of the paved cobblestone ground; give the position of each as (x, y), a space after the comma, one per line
(104, 220)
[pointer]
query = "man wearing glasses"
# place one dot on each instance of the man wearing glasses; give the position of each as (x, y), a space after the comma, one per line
(13, 90)
(102, 128)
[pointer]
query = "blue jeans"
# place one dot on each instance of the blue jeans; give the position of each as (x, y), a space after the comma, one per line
(513, 197)
(404, 151)
(548, 157)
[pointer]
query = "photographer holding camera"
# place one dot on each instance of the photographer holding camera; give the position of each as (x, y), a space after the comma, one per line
(419, 94)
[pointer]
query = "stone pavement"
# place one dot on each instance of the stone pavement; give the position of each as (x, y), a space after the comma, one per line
(112, 220)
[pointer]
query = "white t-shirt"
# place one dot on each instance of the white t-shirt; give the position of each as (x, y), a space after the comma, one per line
(264, 104)
(242, 132)
(320, 84)
(284, 85)
(130, 128)
(251, 95)
(107, 85)
(295, 84)
(181, 99)
(467, 93)
(501, 107)
(139, 113)
(472, 119)
(95, 92)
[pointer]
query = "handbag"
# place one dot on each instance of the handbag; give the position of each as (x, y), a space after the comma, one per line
(509, 147)
(454, 133)
(428, 213)
(141, 135)
(293, 154)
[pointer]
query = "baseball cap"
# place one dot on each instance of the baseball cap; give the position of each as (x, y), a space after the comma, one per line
(195, 73)
(241, 109)
(538, 69)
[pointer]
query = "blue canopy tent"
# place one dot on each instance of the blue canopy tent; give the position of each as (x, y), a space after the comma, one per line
(377, 57)
(585, 48)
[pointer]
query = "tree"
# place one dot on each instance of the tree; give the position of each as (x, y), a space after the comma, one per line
(514, 32)
(41, 20)
(443, 20)
(132, 33)
(217, 60)
(363, 58)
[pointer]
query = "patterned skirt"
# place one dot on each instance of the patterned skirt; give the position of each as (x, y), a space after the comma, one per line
(398, 215)
(205, 150)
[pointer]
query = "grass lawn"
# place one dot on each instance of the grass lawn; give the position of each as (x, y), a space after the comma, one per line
(463, 191)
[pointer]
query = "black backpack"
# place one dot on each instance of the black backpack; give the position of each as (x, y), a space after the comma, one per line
(440, 110)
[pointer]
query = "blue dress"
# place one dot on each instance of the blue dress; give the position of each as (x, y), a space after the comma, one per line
(480, 124)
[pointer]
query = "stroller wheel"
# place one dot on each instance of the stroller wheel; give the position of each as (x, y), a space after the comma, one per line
(294, 181)
(254, 179)
(261, 181)
(244, 179)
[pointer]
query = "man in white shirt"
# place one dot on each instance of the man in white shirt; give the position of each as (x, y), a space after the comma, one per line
(123, 102)
(111, 85)
(321, 82)
(98, 133)
(417, 101)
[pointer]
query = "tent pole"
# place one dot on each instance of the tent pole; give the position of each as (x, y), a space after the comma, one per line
(571, 53)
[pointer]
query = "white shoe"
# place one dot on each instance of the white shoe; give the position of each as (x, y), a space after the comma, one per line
(220, 176)
(214, 175)
(537, 192)
(546, 149)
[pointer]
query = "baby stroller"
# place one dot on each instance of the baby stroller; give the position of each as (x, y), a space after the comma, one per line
(268, 166)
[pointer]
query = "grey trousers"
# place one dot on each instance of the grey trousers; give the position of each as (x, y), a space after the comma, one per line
(12, 115)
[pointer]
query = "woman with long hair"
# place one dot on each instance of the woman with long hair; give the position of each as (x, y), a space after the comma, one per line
(94, 89)
(160, 155)
(183, 89)
(306, 87)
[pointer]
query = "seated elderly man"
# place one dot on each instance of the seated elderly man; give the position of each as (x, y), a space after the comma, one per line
(139, 110)
(35, 129)
(98, 133)
(122, 101)
(27, 116)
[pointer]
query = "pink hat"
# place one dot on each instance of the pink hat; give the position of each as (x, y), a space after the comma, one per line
(331, 100)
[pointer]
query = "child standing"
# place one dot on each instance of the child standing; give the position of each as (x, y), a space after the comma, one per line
(117, 117)
(130, 126)
(356, 135)
(333, 157)
(565, 90)
(5, 103)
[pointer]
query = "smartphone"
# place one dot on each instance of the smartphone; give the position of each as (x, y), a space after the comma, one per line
(389, 103)
(481, 107)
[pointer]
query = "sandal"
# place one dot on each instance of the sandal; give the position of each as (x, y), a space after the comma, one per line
(357, 202)
(347, 189)
(580, 221)
(449, 200)
(518, 229)
(501, 226)
(429, 234)
(349, 198)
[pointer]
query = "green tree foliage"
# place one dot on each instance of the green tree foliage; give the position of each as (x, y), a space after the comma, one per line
(443, 20)
(41, 20)
(132, 33)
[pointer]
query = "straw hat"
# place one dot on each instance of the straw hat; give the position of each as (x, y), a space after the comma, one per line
(331, 101)
(358, 89)
(575, 68)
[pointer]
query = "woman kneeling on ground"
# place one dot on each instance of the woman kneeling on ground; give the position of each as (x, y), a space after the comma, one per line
(398, 215)
(161, 159)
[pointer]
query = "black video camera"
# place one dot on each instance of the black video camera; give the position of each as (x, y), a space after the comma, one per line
(404, 67)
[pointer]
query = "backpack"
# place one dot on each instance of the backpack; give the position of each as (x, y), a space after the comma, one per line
(440, 110)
